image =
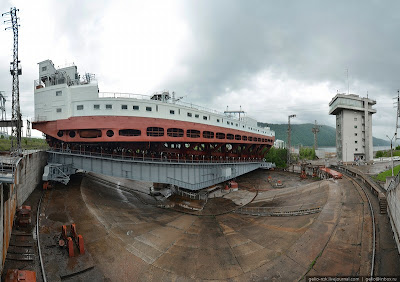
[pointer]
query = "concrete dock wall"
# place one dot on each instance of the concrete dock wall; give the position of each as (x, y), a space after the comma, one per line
(393, 200)
(28, 174)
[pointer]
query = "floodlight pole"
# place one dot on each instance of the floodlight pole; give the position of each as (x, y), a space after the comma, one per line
(289, 142)
(391, 149)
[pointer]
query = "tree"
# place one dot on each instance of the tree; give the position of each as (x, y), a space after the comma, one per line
(277, 156)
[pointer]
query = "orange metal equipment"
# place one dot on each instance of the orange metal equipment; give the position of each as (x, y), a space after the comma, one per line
(68, 241)
(70, 246)
(16, 275)
(331, 172)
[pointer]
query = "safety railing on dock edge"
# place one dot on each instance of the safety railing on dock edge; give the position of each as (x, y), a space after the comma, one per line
(394, 182)
(143, 158)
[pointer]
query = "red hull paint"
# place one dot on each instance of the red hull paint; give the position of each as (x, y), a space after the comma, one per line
(116, 123)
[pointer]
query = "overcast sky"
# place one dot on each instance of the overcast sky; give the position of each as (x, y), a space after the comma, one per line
(272, 58)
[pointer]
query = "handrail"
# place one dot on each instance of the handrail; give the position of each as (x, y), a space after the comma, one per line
(151, 159)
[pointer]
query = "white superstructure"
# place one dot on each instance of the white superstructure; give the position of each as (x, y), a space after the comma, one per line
(61, 94)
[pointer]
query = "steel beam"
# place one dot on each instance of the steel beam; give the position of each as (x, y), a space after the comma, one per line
(192, 175)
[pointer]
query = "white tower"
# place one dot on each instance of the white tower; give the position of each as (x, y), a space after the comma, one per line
(353, 126)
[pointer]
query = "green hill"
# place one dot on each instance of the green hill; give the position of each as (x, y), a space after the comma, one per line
(302, 134)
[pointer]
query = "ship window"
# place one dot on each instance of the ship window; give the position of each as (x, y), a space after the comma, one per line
(59, 93)
(72, 134)
(230, 136)
(155, 131)
(175, 132)
(356, 141)
(136, 108)
(96, 107)
(227, 122)
(196, 116)
(208, 134)
(238, 137)
(355, 134)
(59, 110)
(148, 109)
(192, 133)
(250, 138)
(129, 132)
(108, 107)
(355, 126)
(60, 133)
(204, 117)
(244, 138)
(44, 68)
(89, 133)
(356, 149)
(172, 112)
(79, 107)
(220, 135)
(259, 139)
(124, 107)
(237, 125)
(110, 133)
(189, 114)
(217, 119)
(156, 108)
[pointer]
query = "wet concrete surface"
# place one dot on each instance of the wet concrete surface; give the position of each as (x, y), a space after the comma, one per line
(129, 239)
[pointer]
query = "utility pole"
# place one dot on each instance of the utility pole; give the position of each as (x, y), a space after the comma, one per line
(3, 112)
(315, 130)
(28, 128)
(398, 114)
(15, 70)
(289, 131)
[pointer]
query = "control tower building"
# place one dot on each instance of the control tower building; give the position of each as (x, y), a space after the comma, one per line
(353, 126)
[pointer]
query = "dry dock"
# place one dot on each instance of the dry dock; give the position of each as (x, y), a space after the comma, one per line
(129, 238)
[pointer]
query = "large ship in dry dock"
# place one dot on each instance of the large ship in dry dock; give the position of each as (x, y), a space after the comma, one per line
(72, 113)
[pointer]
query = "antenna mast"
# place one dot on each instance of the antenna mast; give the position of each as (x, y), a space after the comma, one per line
(315, 130)
(15, 70)
(289, 131)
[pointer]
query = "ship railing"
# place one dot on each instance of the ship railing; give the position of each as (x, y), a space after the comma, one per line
(146, 97)
(38, 84)
(145, 158)
(123, 95)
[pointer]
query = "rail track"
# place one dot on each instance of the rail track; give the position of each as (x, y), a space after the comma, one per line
(355, 183)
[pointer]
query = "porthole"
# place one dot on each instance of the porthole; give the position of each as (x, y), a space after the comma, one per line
(72, 134)
(60, 133)
(110, 133)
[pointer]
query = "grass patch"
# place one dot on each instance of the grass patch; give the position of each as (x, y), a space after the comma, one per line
(26, 143)
(382, 176)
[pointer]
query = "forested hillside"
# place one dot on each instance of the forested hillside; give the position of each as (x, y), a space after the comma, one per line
(302, 134)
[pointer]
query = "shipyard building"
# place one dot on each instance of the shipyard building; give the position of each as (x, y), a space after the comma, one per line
(353, 127)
